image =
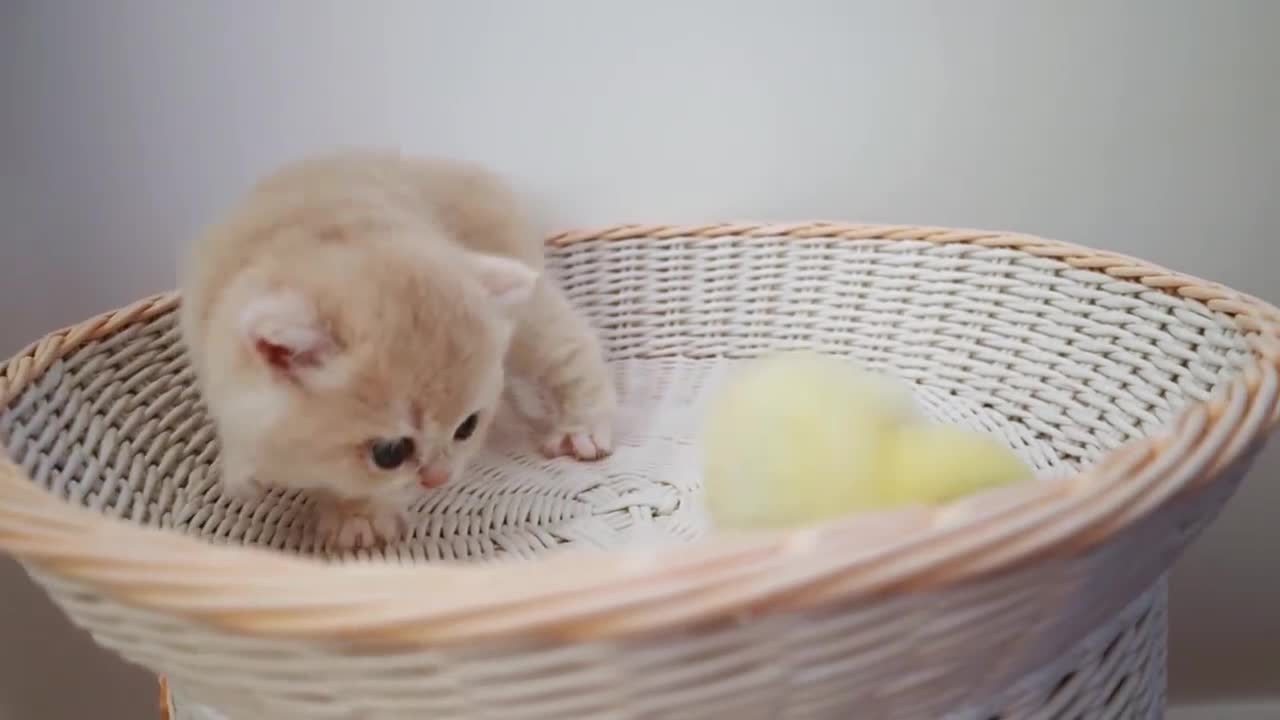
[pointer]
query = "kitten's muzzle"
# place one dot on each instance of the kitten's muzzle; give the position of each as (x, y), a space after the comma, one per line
(432, 477)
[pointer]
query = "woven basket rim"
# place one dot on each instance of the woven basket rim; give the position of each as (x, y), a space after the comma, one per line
(586, 594)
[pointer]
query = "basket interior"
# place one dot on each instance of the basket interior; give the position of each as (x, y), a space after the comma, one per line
(1063, 364)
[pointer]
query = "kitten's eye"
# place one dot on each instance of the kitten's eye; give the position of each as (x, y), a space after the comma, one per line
(467, 427)
(391, 454)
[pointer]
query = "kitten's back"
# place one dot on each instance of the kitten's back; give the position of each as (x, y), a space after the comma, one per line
(351, 196)
(473, 206)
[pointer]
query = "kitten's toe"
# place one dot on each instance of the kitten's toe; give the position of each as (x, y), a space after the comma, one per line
(242, 488)
(353, 529)
(356, 532)
(591, 443)
(329, 523)
(388, 525)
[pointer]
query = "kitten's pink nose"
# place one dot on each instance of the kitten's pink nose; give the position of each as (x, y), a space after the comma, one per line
(433, 477)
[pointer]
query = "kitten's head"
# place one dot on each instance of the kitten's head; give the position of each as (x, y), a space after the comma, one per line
(367, 372)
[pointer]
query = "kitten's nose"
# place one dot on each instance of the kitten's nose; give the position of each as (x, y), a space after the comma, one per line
(432, 477)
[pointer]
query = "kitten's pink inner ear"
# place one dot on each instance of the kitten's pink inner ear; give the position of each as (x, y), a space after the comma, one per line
(284, 332)
(510, 282)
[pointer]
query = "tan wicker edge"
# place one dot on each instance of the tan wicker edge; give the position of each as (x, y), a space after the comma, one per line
(165, 700)
(582, 594)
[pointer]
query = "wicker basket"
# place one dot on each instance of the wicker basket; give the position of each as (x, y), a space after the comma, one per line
(1140, 395)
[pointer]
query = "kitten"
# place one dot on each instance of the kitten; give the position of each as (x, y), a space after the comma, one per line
(351, 325)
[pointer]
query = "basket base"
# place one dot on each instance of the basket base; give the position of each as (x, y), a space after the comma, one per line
(1117, 671)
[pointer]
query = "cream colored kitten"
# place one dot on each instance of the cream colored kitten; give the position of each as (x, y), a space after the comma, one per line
(351, 325)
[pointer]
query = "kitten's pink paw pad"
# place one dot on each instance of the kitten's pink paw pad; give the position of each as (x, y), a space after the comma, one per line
(582, 444)
(340, 529)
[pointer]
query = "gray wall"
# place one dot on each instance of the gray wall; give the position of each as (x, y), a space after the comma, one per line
(1145, 126)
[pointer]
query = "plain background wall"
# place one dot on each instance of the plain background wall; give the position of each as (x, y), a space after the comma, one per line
(1144, 126)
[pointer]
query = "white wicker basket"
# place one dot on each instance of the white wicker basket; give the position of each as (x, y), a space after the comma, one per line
(1140, 395)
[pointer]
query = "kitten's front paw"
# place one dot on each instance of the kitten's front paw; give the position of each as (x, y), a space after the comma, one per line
(242, 488)
(583, 425)
(591, 441)
(350, 526)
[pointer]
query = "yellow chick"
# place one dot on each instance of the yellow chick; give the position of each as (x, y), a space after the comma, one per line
(798, 438)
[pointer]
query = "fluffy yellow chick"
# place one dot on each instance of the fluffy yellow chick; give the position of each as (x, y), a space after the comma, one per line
(799, 438)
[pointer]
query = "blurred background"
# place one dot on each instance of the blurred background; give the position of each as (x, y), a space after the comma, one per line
(1148, 126)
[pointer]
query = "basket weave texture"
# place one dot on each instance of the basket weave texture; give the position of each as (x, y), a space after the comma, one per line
(593, 590)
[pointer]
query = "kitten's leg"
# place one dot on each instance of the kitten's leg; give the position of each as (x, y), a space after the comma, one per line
(238, 480)
(555, 348)
(352, 524)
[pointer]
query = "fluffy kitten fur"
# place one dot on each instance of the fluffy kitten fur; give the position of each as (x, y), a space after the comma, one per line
(366, 296)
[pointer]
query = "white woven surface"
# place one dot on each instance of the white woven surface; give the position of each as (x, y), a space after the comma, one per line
(1063, 363)
(512, 503)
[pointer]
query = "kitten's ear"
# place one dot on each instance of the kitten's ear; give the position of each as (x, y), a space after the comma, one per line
(509, 282)
(286, 335)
